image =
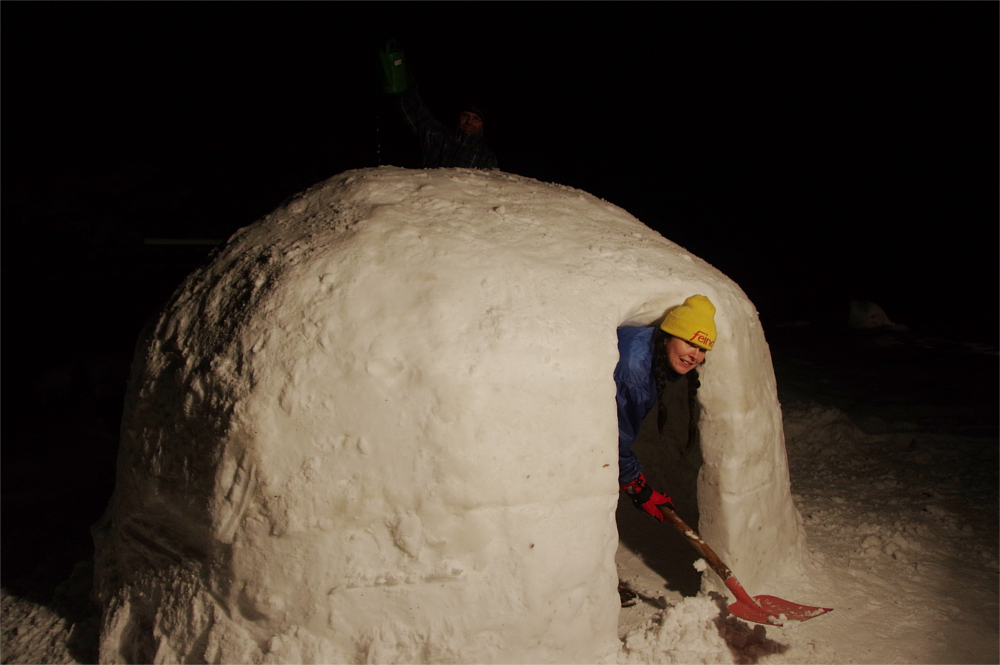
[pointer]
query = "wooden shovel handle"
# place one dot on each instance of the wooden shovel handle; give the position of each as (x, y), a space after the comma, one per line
(692, 537)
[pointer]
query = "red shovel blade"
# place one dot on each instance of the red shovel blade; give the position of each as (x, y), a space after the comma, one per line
(787, 610)
(769, 609)
(754, 613)
(775, 611)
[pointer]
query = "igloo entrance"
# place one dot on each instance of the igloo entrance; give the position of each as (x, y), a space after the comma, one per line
(671, 461)
(380, 426)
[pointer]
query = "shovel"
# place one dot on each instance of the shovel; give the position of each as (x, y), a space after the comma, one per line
(759, 609)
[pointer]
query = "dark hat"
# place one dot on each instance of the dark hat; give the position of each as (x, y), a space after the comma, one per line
(473, 106)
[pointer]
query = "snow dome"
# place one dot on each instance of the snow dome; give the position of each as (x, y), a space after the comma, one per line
(380, 426)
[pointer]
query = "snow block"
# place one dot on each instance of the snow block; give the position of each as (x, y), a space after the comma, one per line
(380, 426)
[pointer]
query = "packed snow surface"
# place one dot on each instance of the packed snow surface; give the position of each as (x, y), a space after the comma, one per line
(380, 426)
(889, 515)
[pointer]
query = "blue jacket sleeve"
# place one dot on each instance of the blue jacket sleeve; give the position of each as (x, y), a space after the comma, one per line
(636, 395)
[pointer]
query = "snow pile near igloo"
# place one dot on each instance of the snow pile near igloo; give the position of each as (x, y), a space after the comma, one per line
(380, 426)
(693, 631)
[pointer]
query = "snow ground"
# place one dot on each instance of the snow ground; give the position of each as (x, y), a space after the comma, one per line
(893, 450)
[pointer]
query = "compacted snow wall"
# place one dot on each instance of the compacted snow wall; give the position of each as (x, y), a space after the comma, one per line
(380, 426)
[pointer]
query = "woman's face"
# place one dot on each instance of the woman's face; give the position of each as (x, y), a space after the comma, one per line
(682, 355)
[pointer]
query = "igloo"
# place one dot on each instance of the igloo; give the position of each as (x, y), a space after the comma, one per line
(380, 426)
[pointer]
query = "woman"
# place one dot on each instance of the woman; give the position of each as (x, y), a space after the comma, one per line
(648, 359)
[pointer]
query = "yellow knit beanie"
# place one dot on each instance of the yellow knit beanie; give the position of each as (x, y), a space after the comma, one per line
(693, 321)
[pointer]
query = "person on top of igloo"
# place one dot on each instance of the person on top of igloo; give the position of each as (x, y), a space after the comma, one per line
(440, 146)
(648, 359)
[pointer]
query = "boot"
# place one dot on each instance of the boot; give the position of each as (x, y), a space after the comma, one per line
(627, 596)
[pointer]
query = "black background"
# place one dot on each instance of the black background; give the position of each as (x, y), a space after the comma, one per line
(814, 152)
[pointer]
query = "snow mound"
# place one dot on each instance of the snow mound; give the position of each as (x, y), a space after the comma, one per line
(687, 633)
(380, 426)
(864, 314)
(821, 430)
(695, 630)
(33, 633)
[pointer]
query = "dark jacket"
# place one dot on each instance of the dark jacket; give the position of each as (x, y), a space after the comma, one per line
(439, 145)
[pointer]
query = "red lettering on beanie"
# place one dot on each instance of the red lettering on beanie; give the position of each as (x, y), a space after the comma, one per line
(702, 339)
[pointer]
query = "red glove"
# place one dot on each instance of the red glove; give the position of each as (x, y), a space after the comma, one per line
(646, 498)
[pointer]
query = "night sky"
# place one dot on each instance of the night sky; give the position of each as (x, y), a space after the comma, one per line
(814, 152)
